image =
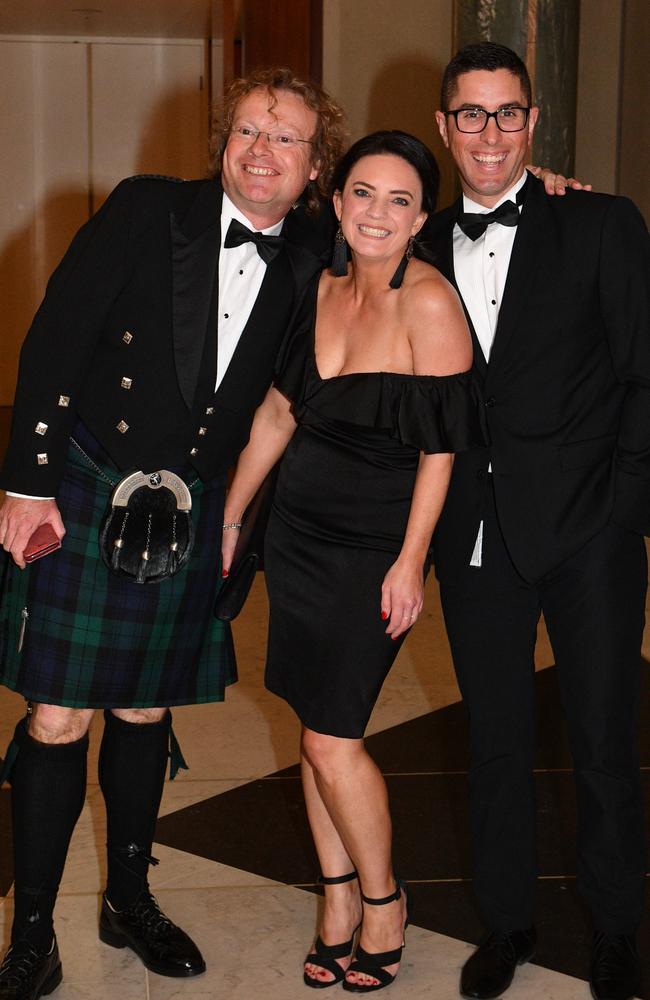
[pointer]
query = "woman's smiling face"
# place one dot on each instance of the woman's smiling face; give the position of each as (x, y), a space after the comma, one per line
(380, 206)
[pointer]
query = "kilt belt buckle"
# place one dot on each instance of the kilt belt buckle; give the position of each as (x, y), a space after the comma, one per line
(147, 532)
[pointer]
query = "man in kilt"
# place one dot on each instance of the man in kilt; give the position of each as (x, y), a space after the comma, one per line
(154, 344)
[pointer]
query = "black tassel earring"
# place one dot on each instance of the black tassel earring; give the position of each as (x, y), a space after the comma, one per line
(398, 277)
(340, 255)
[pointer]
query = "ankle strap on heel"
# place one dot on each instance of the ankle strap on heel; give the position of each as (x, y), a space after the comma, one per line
(394, 896)
(337, 879)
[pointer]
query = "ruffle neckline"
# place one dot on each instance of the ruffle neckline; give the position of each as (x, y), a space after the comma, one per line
(433, 413)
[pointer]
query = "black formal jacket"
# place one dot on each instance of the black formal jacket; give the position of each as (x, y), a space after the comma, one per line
(567, 387)
(125, 339)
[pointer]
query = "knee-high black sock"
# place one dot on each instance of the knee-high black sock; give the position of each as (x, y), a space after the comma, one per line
(132, 763)
(48, 789)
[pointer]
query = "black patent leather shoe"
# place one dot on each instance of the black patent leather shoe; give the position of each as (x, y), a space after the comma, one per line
(163, 947)
(490, 970)
(28, 973)
(615, 967)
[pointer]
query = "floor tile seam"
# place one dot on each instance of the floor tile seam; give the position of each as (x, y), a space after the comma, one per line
(555, 877)
(199, 781)
(421, 774)
(77, 894)
(536, 770)
(460, 880)
(456, 880)
(247, 779)
(268, 884)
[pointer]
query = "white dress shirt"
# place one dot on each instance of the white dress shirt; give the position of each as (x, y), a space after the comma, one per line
(241, 273)
(481, 269)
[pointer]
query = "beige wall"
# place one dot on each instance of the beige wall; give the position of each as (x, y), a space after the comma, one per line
(78, 115)
(612, 132)
(597, 119)
(634, 166)
(383, 60)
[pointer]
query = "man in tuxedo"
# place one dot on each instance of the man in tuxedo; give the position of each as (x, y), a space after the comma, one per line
(549, 518)
(154, 345)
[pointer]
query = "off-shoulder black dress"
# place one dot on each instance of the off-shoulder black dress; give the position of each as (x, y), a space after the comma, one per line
(338, 521)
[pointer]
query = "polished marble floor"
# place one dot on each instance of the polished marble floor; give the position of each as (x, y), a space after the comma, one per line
(237, 869)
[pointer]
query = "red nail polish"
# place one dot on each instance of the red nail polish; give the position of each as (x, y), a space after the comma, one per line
(224, 572)
(384, 616)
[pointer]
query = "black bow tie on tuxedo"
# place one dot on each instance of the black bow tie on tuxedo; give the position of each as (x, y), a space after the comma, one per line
(474, 224)
(268, 247)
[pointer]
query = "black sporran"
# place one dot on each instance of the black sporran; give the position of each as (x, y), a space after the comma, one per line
(147, 532)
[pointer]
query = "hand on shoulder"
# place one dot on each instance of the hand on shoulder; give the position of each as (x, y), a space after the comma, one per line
(556, 183)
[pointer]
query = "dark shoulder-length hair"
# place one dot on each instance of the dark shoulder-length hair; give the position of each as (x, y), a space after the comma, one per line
(394, 143)
(408, 148)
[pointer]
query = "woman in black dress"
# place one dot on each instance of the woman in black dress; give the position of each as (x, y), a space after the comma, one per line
(372, 398)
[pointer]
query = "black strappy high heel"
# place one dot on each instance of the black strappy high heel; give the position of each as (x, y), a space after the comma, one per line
(325, 955)
(373, 963)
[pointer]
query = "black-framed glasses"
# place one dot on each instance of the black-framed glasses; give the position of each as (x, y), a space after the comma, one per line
(508, 119)
(279, 138)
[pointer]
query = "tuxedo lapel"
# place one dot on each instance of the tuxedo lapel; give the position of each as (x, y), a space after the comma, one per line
(304, 264)
(526, 251)
(195, 242)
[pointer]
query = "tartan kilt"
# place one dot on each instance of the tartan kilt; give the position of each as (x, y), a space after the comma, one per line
(93, 639)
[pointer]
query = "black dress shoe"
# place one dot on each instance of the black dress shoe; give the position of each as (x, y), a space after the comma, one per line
(163, 947)
(489, 971)
(615, 968)
(28, 973)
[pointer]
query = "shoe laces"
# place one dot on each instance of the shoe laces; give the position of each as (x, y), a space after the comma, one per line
(148, 914)
(19, 963)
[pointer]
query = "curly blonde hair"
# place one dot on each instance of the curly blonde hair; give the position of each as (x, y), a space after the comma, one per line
(330, 137)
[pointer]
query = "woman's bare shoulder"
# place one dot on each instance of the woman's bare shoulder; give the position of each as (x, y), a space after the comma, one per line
(428, 289)
(436, 323)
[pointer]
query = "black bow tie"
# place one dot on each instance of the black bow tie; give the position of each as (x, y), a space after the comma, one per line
(268, 247)
(474, 224)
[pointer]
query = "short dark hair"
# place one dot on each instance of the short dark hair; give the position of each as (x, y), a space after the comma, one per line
(394, 143)
(483, 55)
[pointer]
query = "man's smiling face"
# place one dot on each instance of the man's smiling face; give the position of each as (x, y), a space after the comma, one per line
(491, 161)
(265, 179)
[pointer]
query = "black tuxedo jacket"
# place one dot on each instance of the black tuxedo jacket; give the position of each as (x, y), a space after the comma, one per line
(567, 387)
(125, 339)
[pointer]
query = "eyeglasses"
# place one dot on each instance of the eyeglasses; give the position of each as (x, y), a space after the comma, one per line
(511, 119)
(251, 135)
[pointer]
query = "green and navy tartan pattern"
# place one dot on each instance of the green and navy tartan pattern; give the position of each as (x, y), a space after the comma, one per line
(92, 639)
